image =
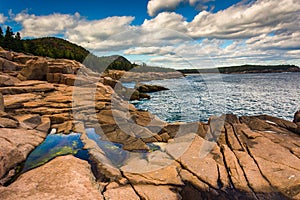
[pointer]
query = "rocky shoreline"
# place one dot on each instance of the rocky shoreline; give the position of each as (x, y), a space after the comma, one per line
(230, 157)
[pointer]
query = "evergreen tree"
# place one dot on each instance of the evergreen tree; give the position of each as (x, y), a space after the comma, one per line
(18, 36)
(8, 38)
(1, 37)
(18, 43)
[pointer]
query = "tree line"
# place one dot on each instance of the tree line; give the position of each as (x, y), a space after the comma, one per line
(10, 40)
(59, 48)
(48, 47)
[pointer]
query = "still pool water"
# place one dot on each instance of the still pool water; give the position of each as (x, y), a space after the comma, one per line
(53, 146)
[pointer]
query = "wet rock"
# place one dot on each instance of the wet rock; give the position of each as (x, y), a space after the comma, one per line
(73, 180)
(146, 88)
(297, 117)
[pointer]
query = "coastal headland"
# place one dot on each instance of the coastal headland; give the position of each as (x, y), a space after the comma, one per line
(229, 157)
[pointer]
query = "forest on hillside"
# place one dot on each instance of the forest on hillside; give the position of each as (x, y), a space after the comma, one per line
(59, 48)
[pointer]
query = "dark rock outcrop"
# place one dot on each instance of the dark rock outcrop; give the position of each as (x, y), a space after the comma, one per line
(297, 117)
(146, 88)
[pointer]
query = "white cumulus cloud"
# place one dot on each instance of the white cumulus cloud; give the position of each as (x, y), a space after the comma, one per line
(242, 21)
(2, 18)
(46, 25)
(156, 6)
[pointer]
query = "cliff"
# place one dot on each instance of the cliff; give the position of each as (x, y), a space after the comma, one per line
(230, 157)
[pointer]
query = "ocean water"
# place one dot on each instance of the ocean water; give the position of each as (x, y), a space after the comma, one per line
(197, 97)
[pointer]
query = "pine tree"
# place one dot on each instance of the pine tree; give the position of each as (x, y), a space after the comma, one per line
(18, 36)
(18, 43)
(8, 38)
(1, 37)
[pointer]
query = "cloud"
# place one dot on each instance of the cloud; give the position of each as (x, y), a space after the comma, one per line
(2, 18)
(167, 20)
(244, 21)
(284, 41)
(47, 25)
(156, 6)
(98, 30)
(257, 32)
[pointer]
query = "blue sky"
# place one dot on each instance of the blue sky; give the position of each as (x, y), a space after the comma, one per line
(167, 33)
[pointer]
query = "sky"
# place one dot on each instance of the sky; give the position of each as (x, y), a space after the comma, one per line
(167, 33)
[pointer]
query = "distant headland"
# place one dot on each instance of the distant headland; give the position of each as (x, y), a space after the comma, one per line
(245, 69)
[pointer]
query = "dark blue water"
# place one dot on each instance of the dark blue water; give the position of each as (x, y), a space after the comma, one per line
(197, 97)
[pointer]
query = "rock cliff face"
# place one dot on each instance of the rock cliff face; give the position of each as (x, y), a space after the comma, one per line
(134, 154)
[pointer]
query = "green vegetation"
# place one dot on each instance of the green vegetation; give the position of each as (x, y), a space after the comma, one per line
(101, 64)
(245, 69)
(54, 48)
(59, 48)
(11, 41)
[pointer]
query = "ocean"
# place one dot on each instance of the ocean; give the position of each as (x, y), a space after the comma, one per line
(199, 96)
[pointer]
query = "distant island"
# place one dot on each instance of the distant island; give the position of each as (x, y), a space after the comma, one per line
(245, 69)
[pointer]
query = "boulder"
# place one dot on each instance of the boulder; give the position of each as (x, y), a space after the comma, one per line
(9, 66)
(65, 177)
(149, 88)
(297, 117)
(29, 121)
(45, 125)
(7, 80)
(7, 121)
(6, 55)
(34, 70)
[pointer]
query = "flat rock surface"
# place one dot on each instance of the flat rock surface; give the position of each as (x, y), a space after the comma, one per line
(64, 177)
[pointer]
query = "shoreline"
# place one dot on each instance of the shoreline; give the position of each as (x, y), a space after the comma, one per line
(176, 160)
